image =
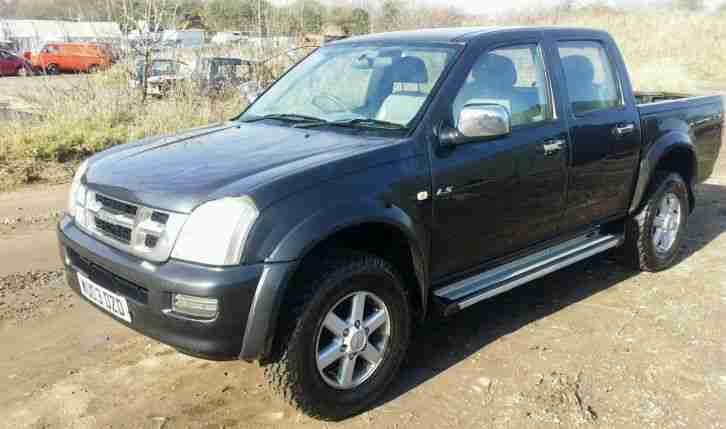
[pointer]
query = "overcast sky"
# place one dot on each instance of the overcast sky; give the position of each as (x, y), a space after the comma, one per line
(494, 6)
(498, 6)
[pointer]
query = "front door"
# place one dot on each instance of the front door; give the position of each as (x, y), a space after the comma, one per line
(604, 129)
(5, 64)
(496, 196)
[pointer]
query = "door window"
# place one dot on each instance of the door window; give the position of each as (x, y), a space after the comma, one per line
(513, 77)
(591, 83)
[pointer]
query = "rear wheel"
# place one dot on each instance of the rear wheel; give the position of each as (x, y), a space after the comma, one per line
(346, 339)
(93, 69)
(655, 233)
(52, 69)
(23, 72)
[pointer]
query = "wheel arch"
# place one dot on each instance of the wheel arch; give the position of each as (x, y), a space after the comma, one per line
(674, 152)
(363, 229)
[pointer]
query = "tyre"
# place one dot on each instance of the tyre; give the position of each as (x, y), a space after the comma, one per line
(654, 234)
(346, 338)
(52, 69)
(22, 72)
(93, 69)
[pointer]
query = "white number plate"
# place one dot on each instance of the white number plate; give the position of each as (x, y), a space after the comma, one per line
(107, 300)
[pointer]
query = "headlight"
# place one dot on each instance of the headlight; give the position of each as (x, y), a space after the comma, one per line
(216, 231)
(77, 194)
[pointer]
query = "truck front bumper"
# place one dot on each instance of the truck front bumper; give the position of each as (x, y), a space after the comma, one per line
(247, 296)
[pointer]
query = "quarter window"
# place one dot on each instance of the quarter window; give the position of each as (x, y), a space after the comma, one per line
(591, 83)
(513, 77)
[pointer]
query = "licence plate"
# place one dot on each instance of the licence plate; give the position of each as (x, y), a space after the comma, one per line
(105, 299)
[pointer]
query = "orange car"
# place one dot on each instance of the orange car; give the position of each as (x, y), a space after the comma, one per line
(72, 57)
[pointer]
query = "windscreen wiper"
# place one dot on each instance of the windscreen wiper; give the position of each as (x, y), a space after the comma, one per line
(356, 123)
(289, 117)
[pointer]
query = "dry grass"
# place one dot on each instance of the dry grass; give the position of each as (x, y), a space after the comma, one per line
(98, 112)
(664, 49)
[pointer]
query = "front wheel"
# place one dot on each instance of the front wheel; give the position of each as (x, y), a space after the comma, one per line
(655, 233)
(347, 342)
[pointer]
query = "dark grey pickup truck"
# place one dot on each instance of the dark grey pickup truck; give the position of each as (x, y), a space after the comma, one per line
(382, 179)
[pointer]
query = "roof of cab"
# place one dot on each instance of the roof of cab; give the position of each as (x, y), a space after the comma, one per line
(445, 35)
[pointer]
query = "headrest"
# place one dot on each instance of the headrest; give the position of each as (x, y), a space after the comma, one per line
(579, 68)
(410, 70)
(495, 71)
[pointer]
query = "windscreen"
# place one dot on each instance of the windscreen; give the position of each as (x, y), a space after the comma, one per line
(383, 82)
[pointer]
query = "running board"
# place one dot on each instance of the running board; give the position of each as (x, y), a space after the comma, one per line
(490, 283)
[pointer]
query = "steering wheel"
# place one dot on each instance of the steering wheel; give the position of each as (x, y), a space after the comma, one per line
(320, 102)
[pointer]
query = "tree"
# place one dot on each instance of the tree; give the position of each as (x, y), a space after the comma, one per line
(690, 5)
(146, 19)
(310, 15)
(390, 15)
(360, 22)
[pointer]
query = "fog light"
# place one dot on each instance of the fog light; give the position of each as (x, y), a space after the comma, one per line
(195, 306)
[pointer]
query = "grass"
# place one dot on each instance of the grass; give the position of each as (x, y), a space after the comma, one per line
(95, 113)
(663, 49)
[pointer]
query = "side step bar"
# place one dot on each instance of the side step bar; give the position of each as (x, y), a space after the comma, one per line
(490, 283)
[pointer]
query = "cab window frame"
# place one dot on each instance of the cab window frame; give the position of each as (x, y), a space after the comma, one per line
(550, 113)
(617, 78)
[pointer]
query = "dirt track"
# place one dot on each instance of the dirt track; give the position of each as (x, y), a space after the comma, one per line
(595, 345)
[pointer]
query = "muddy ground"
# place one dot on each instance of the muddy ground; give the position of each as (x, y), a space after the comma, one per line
(595, 345)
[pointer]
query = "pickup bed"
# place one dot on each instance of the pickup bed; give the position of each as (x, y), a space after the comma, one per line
(383, 179)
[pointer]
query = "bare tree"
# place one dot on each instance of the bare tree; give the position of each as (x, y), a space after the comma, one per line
(145, 20)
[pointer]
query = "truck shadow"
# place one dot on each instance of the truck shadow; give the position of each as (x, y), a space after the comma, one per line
(442, 343)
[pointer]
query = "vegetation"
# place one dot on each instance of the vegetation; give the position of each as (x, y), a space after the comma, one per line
(97, 113)
(664, 49)
(102, 111)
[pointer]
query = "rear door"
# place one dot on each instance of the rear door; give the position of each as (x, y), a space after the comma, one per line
(497, 196)
(604, 129)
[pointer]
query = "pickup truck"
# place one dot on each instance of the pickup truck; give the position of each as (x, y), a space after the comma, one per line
(382, 180)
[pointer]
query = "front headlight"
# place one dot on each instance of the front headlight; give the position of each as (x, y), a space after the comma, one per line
(215, 232)
(77, 194)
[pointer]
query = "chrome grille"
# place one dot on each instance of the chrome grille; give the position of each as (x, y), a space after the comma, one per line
(139, 230)
(112, 230)
(116, 205)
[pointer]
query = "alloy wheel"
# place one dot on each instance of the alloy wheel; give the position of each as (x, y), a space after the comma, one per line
(352, 340)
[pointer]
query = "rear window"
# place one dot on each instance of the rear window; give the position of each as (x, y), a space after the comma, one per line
(591, 82)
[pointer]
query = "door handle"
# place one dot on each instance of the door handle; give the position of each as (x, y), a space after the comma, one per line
(551, 147)
(621, 130)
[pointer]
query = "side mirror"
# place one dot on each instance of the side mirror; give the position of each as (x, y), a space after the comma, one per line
(478, 121)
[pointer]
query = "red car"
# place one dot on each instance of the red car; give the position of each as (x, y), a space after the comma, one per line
(13, 65)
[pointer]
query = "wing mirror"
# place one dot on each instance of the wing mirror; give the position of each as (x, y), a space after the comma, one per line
(476, 122)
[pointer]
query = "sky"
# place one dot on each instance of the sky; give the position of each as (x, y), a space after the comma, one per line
(494, 6)
(499, 6)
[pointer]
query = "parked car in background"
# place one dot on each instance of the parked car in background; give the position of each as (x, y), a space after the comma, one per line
(13, 65)
(55, 58)
(163, 75)
(217, 74)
